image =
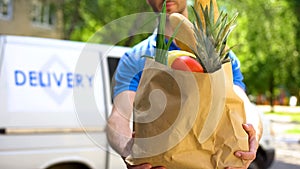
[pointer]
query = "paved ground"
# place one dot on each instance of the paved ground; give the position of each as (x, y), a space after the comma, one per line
(289, 109)
(287, 145)
(287, 149)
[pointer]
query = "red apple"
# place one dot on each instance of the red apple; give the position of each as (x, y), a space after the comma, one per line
(187, 63)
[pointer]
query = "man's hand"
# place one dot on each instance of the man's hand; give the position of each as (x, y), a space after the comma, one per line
(253, 145)
(143, 166)
(249, 156)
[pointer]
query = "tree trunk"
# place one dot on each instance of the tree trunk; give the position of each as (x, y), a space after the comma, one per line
(271, 89)
(73, 21)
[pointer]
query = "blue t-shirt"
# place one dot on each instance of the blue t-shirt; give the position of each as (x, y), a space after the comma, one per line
(131, 65)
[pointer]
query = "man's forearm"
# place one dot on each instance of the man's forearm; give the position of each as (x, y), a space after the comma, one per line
(119, 135)
(121, 144)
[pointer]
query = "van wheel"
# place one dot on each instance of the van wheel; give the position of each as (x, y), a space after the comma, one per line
(258, 163)
(69, 166)
(253, 165)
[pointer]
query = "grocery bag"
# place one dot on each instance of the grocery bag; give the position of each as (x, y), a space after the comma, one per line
(187, 120)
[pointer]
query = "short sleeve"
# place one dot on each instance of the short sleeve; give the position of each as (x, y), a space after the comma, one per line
(131, 65)
(236, 71)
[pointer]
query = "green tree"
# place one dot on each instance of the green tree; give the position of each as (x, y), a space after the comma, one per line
(266, 38)
(294, 63)
(71, 18)
(85, 18)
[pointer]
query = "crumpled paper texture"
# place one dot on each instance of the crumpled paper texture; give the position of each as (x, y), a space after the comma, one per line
(187, 120)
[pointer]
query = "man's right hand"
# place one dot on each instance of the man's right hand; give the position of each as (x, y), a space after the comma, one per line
(143, 166)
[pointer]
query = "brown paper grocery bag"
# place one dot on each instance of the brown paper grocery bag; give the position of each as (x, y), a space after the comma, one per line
(187, 120)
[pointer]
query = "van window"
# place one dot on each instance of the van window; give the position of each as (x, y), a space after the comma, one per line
(43, 13)
(6, 9)
(112, 66)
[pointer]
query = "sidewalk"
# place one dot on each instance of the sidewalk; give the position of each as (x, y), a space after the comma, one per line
(280, 124)
(287, 145)
(286, 120)
(288, 109)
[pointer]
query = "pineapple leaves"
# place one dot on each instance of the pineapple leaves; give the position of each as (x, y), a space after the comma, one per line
(211, 35)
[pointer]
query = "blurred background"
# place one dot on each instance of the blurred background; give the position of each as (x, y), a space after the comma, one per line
(266, 39)
(266, 36)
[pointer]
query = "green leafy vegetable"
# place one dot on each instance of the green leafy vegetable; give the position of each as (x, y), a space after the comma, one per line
(161, 54)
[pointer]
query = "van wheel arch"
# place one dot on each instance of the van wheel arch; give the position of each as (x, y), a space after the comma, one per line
(69, 165)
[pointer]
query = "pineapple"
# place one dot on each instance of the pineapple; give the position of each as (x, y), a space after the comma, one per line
(206, 37)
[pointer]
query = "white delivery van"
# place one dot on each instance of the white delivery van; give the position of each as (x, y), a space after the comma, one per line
(54, 101)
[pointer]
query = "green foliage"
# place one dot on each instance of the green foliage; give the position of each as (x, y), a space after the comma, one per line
(84, 19)
(295, 70)
(267, 44)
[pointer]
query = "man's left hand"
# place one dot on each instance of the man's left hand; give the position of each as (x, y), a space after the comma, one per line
(250, 155)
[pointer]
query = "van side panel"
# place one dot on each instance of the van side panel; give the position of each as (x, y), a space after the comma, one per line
(43, 79)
